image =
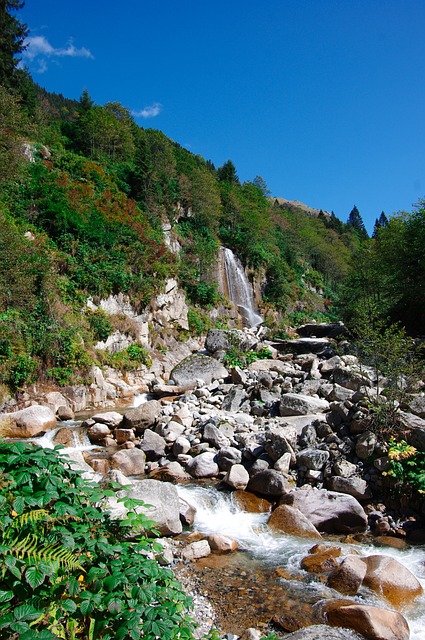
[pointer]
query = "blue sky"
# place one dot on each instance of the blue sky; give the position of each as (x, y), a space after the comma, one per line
(322, 98)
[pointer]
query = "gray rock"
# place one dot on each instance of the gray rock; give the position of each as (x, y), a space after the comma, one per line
(350, 379)
(234, 399)
(365, 445)
(143, 417)
(197, 367)
(112, 418)
(354, 486)
(124, 435)
(283, 464)
(321, 330)
(280, 440)
(196, 550)
(164, 504)
(181, 445)
(98, 432)
(344, 468)
(224, 339)
(292, 404)
(203, 465)
(329, 511)
(326, 367)
(227, 457)
(237, 477)
(322, 631)
(152, 444)
(314, 459)
(308, 437)
(28, 422)
(131, 462)
(417, 405)
(269, 483)
(214, 436)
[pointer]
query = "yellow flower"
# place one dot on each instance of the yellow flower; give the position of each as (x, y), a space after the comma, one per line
(81, 578)
(14, 514)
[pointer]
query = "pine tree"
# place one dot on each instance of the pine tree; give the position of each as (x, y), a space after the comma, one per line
(12, 37)
(380, 222)
(355, 222)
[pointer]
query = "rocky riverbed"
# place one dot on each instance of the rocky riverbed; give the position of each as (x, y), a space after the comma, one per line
(290, 435)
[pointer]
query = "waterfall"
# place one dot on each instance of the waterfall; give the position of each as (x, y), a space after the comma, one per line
(239, 289)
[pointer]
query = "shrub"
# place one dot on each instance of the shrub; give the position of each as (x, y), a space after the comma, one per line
(407, 465)
(100, 324)
(68, 569)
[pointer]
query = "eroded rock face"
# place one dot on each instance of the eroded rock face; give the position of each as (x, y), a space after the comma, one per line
(28, 422)
(329, 511)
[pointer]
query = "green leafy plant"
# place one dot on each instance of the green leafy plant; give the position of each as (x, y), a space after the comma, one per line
(68, 570)
(407, 465)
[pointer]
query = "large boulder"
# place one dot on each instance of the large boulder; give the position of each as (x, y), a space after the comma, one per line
(152, 444)
(321, 330)
(314, 459)
(348, 577)
(281, 440)
(297, 404)
(269, 483)
(112, 418)
(237, 477)
(388, 577)
(330, 511)
(162, 504)
(198, 367)
(143, 417)
(290, 520)
(131, 462)
(373, 623)
(28, 422)
(224, 339)
(203, 465)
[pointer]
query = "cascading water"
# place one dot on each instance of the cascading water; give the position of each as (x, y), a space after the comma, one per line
(239, 289)
(217, 512)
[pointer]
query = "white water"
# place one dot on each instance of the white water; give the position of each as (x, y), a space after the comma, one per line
(217, 512)
(240, 290)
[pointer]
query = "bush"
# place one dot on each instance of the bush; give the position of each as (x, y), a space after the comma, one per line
(100, 324)
(68, 570)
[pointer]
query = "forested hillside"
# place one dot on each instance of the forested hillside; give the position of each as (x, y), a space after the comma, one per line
(85, 195)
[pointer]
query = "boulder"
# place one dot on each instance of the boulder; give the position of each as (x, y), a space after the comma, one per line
(181, 445)
(302, 345)
(214, 436)
(356, 487)
(143, 417)
(27, 423)
(269, 483)
(290, 520)
(350, 379)
(365, 445)
(65, 413)
(162, 504)
(321, 559)
(98, 432)
(224, 339)
(321, 330)
(416, 405)
(330, 511)
(131, 462)
(198, 367)
(187, 512)
(112, 418)
(196, 550)
(221, 544)
(171, 472)
(348, 577)
(124, 435)
(237, 477)
(344, 468)
(251, 503)
(321, 632)
(234, 399)
(373, 623)
(281, 440)
(388, 577)
(295, 404)
(314, 459)
(227, 457)
(152, 444)
(203, 465)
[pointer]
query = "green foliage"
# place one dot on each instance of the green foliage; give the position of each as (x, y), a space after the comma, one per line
(133, 357)
(100, 324)
(68, 570)
(199, 322)
(236, 357)
(407, 465)
(396, 370)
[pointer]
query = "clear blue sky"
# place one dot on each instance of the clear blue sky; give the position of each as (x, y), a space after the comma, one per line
(322, 98)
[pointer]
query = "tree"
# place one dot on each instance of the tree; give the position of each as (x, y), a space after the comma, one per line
(261, 184)
(355, 222)
(227, 173)
(12, 38)
(380, 222)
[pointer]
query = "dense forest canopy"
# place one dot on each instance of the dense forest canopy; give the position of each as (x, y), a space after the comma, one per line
(84, 196)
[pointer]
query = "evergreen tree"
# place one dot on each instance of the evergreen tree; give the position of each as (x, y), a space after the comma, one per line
(12, 37)
(380, 223)
(355, 221)
(227, 173)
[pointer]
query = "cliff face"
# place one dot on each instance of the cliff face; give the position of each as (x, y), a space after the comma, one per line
(296, 205)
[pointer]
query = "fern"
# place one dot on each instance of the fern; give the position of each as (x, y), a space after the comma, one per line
(31, 550)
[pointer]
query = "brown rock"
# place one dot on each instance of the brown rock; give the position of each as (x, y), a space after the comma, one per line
(100, 465)
(388, 577)
(373, 623)
(348, 577)
(221, 544)
(28, 422)
(290, 520)
(65, 413)
(250, 502)
(391, 541)
(321, 562)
